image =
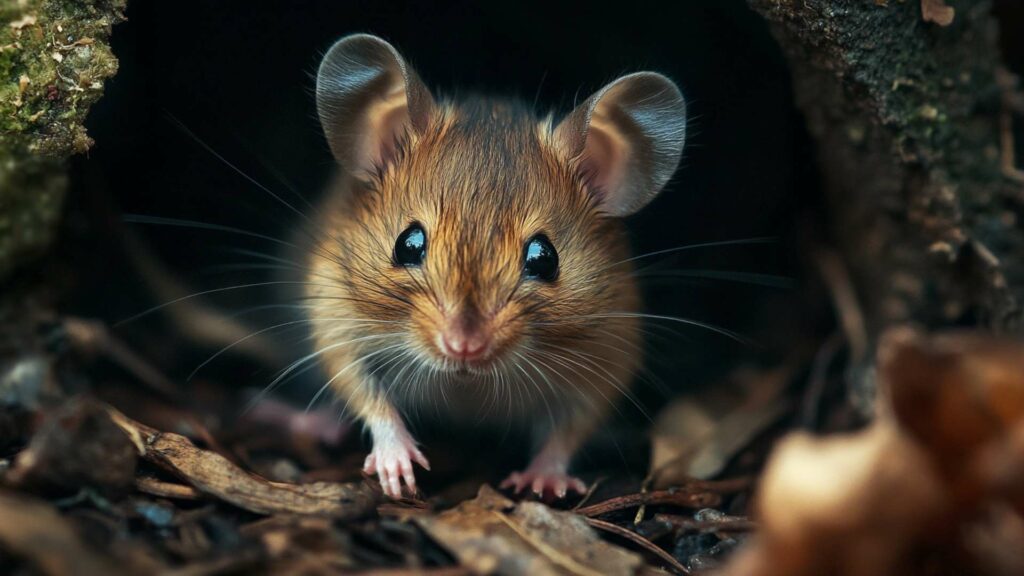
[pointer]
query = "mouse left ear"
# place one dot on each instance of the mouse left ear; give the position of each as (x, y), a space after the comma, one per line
(627, 140)
(366, 97)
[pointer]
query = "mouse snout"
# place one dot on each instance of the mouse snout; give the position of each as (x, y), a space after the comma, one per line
(464, 339)
(460, 344)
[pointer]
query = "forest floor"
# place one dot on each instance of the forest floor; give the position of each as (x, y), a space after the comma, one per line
(131, 474)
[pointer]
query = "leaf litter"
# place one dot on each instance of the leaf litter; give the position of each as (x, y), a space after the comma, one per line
(933, 485)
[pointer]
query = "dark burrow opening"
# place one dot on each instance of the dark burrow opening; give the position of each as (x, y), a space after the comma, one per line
(213, 103)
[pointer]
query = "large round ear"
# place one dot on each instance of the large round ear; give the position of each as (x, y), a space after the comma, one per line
(627, 139)
(367, 98)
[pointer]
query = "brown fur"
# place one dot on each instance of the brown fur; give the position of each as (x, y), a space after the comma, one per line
(482, 179)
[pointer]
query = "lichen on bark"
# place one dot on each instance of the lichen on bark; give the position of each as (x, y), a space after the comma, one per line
(905, 117)
(54, 58)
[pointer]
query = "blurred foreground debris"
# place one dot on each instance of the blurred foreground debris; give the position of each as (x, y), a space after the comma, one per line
(932, 487)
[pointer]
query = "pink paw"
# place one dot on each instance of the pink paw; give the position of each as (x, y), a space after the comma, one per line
(544, 483)
(392, 462)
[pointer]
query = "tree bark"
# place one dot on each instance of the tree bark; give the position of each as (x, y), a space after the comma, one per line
(909, 120)
(54, 58)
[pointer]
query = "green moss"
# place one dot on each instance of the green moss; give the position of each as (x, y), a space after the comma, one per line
(54, 58)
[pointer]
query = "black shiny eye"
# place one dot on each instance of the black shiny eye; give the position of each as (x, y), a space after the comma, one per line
(411, 246)
(540, 261)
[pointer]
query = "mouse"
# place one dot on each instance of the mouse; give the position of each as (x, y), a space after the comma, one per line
(470, 258)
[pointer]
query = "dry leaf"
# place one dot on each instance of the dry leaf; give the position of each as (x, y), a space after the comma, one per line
(492, 534)
(77, 446)
(937, 11)
(217, 476)
(691, 439)
(33, 531)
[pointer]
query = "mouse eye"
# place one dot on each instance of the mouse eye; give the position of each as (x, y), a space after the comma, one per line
(411, 246)
(540, 261)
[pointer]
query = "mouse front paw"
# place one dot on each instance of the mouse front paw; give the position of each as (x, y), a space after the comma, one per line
(392, 462)
(544, 483)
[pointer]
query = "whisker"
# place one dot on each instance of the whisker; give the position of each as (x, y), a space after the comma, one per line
(181, 126)
(741, 241)
(713, 328)
(769, 280)
(339, 373)
(213, 291)
(183, 223)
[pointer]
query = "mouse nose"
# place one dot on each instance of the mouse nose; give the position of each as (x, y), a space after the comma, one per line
(462, 345)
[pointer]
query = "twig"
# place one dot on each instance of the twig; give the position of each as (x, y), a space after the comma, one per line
(590, 492)
(844, 299)
(152, 486)
(1012, 102)
(639, 541)
(670, 497)
(727, 524)
(817, 380)
(94, 337)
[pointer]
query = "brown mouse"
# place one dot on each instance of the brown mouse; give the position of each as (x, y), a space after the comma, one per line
(471, 257)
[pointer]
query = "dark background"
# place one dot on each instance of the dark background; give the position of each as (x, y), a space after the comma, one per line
(239, 75)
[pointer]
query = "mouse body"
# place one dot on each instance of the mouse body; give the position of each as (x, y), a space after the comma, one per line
(470, 259)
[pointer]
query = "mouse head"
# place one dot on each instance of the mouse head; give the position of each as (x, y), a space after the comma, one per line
(486, 232)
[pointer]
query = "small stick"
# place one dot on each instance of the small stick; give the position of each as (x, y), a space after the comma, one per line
(671, 497)
(639, 541)
(727, 524)
(590, 492)
(93, 336)
(152, 486)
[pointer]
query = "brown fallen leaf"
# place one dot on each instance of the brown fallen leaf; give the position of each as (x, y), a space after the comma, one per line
(33, 531)
(695, 437)
(77, 446)
(937, 11)
(302, 545)
(492, 534)
(217, 476)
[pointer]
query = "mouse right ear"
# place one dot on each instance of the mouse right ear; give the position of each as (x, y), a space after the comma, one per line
(367, 97)
(626, 140)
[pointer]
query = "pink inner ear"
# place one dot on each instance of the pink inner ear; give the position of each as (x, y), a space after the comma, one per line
(385, 124)
(603, 163)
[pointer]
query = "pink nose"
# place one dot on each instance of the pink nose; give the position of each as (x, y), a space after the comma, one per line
(461, 346)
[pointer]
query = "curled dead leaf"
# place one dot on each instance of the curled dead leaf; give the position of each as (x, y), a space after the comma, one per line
(217, 476)
(937, 11)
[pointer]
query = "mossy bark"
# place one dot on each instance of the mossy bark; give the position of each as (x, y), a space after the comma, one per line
(54, 58)
(905, 114)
